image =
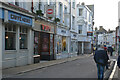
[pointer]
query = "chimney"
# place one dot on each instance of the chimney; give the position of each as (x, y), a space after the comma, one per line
(96, 29)
(100, 27)
(82, 3)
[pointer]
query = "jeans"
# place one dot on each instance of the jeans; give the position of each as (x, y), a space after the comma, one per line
(100, 70)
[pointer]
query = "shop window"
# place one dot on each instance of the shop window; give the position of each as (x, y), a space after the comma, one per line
(72, 46)
(36, 43)
(23, 38)
(63, 43)
(80, 29)
(59, 45)
(10, 37)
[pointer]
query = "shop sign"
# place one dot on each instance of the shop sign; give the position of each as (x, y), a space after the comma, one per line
(16, 17)
(89, 33)
(46, 28)
(1, 13)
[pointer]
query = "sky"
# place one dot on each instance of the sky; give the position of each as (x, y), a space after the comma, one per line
(105, 12)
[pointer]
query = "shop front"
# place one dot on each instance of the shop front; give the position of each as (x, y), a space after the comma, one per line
(74, 45)
(62, 40)
(16, 38)
(44, 40)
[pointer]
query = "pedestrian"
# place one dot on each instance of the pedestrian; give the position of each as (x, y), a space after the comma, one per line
(110, 50)
(118, 62)
(101, 58)
(107, 65)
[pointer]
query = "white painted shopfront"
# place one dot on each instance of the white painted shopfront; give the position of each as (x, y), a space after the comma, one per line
(17, 37)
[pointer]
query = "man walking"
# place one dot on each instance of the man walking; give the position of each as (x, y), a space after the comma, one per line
(101, 58)
(110, 50)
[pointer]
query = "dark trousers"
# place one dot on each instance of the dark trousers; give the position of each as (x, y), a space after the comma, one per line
(111, 54)
(100, 71)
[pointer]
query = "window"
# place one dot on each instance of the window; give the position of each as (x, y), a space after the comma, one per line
(23, 38)
(80, 12)
(60, 13)
(73, 22)
(80, 29)
(25, 5)
(59, 44)
(65, 9)
(65, 18)
(10, 37)
(16, 2)
(64, 44)
(73, 4)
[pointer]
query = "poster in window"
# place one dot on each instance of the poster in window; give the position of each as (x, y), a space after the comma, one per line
(44, 43)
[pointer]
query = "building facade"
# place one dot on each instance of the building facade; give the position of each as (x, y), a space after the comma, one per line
(84, 24)
(17, 35)
(107, 39)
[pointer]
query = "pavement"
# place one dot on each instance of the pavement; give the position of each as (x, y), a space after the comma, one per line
(23, 69)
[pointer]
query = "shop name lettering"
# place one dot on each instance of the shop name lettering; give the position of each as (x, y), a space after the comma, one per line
(63, 31)
(19, 18)
(45, 28)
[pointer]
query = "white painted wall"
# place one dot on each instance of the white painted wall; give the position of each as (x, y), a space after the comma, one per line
(84, 21)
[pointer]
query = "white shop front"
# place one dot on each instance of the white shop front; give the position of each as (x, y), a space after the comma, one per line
(62, 43)
(74, 44)
(17, 37)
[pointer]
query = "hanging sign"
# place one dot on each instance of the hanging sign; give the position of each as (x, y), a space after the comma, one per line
(50, 11)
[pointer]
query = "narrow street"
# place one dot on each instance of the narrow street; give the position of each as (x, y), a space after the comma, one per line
(82, 68)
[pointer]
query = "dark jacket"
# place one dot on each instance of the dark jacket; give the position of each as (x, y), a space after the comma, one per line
(118, 61)
(101, 57)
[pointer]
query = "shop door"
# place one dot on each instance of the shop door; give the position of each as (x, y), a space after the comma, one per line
(36, 43)
(45, 46)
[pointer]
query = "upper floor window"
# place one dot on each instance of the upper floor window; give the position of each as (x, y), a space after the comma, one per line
(65, 9)
(73, 4)
(80, 29)
(60, 9)
(16, 2)
(80, 12)
(73, 21)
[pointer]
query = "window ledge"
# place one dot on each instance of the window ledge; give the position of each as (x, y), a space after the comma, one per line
(10, 51)
(23, 50)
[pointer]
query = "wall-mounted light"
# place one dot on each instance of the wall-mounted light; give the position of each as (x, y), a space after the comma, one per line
(6, 37)
(19, 37)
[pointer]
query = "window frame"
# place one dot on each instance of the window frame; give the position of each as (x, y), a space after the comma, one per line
(80, 29)
(13, 32)
(23, 33)
(80, 11)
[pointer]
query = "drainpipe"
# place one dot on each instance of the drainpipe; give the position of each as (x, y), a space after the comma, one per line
(55, 33)
(32, 6)
(69, 47)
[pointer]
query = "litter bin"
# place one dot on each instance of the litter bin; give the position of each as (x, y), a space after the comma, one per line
(36, 58)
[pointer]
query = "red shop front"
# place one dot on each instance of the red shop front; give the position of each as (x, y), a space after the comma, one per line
(44, 41)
